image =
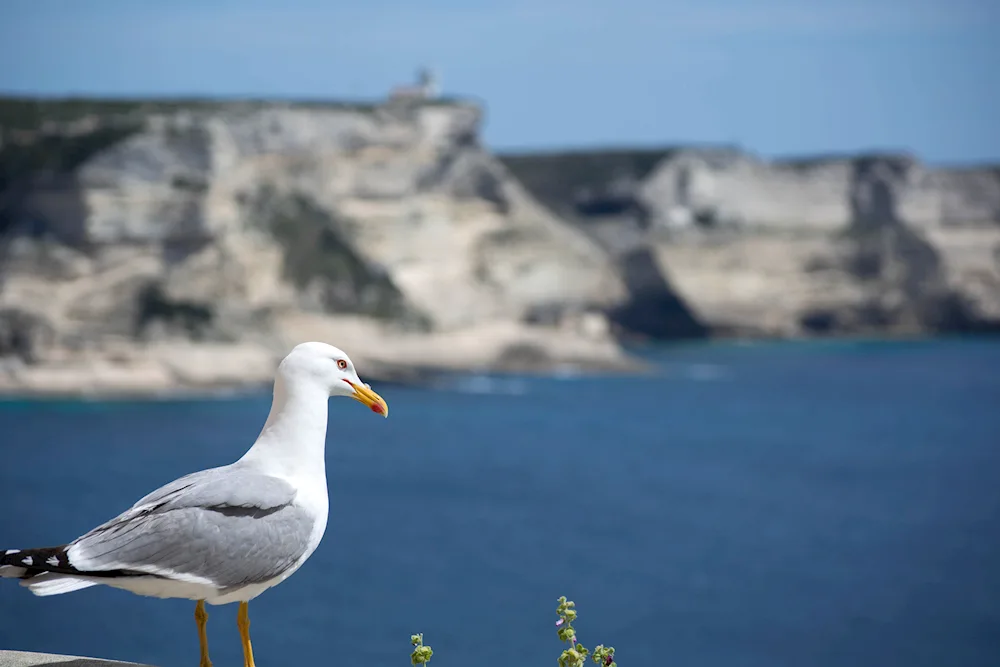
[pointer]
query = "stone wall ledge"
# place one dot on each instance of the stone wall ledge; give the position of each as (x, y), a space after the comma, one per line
(27, 659)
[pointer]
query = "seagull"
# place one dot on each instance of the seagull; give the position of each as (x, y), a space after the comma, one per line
(225, 534)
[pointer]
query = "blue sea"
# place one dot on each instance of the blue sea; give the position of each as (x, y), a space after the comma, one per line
(759, 505)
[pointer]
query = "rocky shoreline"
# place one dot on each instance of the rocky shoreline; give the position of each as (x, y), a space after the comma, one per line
(180, 369)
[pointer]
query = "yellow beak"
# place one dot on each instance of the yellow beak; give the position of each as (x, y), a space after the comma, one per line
(364, 394)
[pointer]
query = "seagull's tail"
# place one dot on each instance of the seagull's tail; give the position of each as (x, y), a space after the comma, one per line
(44, 571)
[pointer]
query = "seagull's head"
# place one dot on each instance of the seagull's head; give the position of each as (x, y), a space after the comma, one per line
(332, 369)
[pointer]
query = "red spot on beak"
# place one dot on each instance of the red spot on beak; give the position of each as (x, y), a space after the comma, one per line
(376, 408)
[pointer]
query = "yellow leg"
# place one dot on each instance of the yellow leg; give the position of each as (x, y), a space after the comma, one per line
(201, 617)
(243, 622)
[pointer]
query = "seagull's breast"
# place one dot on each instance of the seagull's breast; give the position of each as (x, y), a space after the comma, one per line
(313, 498)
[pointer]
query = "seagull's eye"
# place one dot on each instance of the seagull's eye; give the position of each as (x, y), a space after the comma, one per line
(342, 364)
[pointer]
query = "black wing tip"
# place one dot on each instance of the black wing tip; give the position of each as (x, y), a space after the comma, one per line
(54, 559)
(36, 561)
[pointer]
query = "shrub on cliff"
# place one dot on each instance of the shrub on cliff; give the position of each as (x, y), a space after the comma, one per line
(319, 258)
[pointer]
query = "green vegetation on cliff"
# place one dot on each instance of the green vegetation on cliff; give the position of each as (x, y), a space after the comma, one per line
(59, 134)
(49, 154)
(319, 259)
(57, 152)
(40, 113)
(33, 114)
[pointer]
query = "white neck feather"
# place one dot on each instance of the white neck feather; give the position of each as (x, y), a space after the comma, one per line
(292, 443)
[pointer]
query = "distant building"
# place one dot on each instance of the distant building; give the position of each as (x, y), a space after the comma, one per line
(426, 88)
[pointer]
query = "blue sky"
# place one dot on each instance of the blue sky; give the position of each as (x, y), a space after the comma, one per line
(779, 77)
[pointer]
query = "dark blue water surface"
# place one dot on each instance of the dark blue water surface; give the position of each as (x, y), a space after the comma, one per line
(766, 505)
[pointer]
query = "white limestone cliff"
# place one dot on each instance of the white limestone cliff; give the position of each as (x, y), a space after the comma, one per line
(249, 228)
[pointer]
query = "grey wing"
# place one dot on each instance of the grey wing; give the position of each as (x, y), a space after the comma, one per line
(227, 526)
(234, 485)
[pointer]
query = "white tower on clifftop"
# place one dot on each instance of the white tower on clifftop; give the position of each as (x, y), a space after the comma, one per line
(427, 78)
(425, 88)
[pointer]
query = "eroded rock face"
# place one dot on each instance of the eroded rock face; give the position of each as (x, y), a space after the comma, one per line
(900, 273)
(23, 335)
(824, 246)
(705, 188)
(206, 224)
(654, 309)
